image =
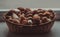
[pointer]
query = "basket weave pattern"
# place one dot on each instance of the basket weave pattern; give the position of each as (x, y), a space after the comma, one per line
(27, 29)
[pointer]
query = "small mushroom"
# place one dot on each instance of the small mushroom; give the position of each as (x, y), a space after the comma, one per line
(34, 12)
(36, 16)
(52, 15)
(19, 13)
(24, 22)
(39, 9)
(36, 19)
(29, 22)
(29, 18)
(47, 13)
(15, 16)
(50, 10)
(27, 10)
(22, 17)
(48, 19)
(21, 8)
(40, 14)
(42, 11)
(29, 15)
(15, 21)
(10, 13)
(44, 19)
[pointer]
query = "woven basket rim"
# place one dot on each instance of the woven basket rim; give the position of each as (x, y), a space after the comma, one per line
(27, 25)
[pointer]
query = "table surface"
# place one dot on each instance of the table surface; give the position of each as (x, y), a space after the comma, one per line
(55, 31)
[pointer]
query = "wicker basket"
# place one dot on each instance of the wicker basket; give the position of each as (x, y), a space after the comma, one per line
(45, 27)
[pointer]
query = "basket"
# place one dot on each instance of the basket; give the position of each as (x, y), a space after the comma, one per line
(44, 27)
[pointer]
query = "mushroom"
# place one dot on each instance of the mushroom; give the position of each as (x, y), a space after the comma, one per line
(15, 16)
(36, 16)
(29, 22)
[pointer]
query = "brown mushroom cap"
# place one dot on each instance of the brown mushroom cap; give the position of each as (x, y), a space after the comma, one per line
(27, 16)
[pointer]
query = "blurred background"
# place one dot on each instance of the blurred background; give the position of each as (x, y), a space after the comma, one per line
(7, 4)
(12, 4)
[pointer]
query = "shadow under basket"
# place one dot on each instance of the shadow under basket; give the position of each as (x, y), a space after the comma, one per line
(43, 28)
